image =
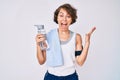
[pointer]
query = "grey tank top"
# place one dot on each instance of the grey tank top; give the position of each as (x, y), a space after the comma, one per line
(65, 42)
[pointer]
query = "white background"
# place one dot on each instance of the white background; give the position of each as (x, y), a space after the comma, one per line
(17, 37)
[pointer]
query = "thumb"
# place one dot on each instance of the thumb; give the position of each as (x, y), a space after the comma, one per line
(92, 30)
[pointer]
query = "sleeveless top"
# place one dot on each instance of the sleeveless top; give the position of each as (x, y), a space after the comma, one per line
(68, 52)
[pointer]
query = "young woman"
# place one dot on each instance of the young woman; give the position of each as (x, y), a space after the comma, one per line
(70, 46)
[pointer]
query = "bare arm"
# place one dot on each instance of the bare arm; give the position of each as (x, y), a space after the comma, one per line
(41, 54)
(81, 58)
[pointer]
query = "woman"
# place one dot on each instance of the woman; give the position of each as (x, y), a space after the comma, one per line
(70, 45)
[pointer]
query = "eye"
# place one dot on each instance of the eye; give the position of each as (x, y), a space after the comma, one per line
(61, 15)
(68, 16)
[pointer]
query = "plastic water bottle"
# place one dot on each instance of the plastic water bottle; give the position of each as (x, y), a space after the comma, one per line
(44, 45)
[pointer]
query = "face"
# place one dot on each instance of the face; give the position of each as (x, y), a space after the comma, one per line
(64, 19)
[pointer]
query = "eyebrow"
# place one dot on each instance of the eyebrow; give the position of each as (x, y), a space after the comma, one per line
(63, 13)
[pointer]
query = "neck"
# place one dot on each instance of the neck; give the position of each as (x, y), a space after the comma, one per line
(63, 31)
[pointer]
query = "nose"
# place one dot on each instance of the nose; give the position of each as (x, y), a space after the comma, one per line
(64, 18)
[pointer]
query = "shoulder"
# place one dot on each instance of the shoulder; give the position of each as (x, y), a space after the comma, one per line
(78, 42)
(78, 37)
(52, 31)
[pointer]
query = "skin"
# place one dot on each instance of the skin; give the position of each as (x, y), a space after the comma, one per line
(64, 21)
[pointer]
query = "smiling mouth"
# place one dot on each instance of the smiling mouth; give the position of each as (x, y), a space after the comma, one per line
(64, 24)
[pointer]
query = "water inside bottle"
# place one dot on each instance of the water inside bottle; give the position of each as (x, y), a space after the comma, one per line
(44, 45)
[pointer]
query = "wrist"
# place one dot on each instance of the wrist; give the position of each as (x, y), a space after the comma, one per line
(87, 43)
(37, 45)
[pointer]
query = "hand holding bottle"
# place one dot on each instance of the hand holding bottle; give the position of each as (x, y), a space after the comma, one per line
(41, 37)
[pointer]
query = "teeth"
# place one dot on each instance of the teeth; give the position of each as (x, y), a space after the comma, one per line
(64, 24)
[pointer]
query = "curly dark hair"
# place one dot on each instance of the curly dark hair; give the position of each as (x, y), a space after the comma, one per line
(70, 10)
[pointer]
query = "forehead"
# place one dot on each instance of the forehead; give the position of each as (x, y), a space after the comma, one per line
(63, 11)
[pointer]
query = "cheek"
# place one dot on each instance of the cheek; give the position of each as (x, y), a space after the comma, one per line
(70, 21)
(58, 19)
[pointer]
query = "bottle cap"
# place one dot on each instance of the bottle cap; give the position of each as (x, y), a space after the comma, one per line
(39, 27)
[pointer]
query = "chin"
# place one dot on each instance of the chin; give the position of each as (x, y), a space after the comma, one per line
(64, 29)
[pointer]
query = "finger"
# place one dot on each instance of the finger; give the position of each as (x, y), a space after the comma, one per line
(92, 30)
(87, 35)
(42, 39)
(40, 36)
